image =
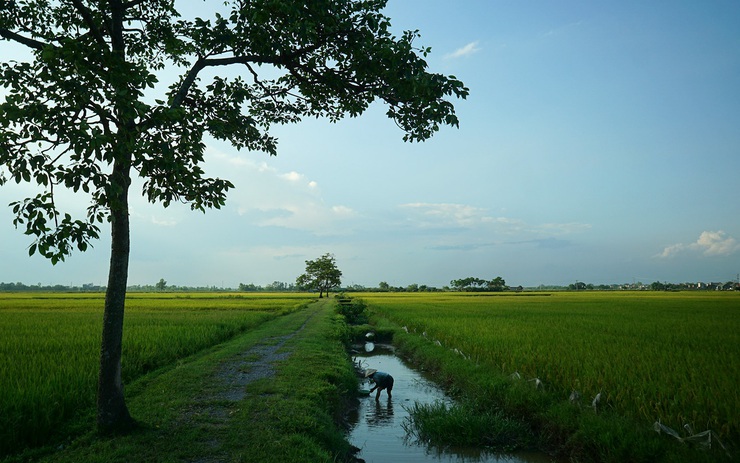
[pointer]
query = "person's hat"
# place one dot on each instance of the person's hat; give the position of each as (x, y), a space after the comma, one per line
(369, 372)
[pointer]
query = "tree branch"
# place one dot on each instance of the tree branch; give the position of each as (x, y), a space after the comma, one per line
(133, 3)
(87, 17)
(202, 63)
(288, 60)
(258, 82)
(31, 43)
(187, 83)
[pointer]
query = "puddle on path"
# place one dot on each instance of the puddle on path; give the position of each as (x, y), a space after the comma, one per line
(376, 427)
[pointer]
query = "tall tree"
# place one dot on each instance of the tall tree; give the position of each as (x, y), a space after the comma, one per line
(87, 112)
(322, 274)
(497, 284)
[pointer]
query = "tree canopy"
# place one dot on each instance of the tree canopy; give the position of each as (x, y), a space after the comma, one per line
(321, 275)
(87, 111)
(478, 284)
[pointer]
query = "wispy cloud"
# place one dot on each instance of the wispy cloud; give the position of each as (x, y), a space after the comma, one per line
(292, 176)
(444, 215)
(546, 243)
(710, 244)
(461, 247)
(163, 221)
(271, 198)
(564, 228)
(467, 50)
(463, 216)
(672, 250)
(562, 29)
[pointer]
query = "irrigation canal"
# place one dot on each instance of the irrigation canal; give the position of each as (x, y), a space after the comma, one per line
(377, 427)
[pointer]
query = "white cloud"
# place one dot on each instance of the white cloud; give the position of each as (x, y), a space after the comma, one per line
(310, 216)
(716, 244)
(672, 250)
(467, 50)
(710, 243)
(342, 211)
(163, 222)
(446, 214)
(271, 198)
(293, 177)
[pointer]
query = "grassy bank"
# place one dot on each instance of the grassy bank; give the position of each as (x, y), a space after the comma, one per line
(298, 411)
(288, 415)
(650, 356)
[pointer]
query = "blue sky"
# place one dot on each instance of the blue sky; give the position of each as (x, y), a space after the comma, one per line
(600, 143)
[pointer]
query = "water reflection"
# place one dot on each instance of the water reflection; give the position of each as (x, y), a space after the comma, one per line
(382, 415)
(376, 426)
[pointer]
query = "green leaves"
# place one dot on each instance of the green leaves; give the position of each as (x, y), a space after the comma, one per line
(321, 274)
(55, 238)
(88, 100)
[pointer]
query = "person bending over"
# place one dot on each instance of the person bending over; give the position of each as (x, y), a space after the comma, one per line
(382, 381)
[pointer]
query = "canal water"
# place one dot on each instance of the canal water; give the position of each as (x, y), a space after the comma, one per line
(376, 428)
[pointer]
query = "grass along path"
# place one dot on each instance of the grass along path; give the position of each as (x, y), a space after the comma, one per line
(272, 394)
(50, 348)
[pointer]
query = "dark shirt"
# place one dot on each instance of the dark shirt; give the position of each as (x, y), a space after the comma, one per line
(381, 378)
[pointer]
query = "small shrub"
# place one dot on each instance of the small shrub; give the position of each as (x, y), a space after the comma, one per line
(353, 309)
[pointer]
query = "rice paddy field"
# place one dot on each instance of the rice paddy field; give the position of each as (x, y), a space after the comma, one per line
(50, 343)
(672, 357)
(653, 356)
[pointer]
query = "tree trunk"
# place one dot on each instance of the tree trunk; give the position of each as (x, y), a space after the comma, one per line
(113, 415)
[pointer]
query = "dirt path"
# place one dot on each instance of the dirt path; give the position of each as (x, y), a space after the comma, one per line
(210, 413)
(253, 364)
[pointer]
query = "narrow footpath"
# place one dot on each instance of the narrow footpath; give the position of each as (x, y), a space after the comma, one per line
(210, 413)
(272, 394)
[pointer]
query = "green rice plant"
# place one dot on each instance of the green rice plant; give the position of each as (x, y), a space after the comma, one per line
(671, 357)
(441, 424)
(50, 343)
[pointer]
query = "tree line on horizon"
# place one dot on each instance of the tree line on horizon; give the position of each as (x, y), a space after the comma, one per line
(383, 286)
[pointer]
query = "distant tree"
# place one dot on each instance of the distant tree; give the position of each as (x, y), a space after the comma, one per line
(87, 111)
(251, 287)
(577, 286)
(161, 285)
(384, 286)
(478, 284)
(412, 288)
(469, 284)
(497, 284)
(279, 286)
(321, 275)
